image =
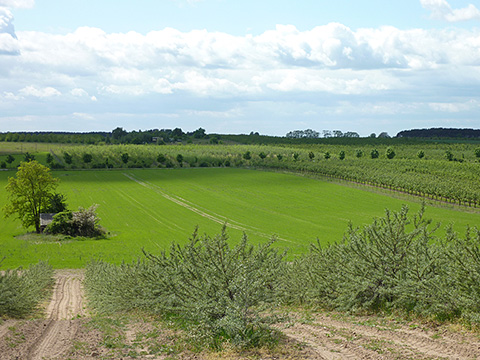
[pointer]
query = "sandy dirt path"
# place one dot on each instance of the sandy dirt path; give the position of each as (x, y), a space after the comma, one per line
(61, 325)
(50, 338)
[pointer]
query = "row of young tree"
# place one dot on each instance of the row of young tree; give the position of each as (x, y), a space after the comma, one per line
(224, 291)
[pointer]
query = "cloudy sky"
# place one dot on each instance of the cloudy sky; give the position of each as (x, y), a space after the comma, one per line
(233, 66)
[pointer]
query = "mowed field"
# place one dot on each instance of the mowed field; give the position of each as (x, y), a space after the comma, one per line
(152, 208)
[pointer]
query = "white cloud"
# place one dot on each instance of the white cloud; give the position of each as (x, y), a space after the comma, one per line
(80, 93)
(25, 4)
(441, 10)
(455, 107)
(39, 92)
(8, 38)
(83, 116)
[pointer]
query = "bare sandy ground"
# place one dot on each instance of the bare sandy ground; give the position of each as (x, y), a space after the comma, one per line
(62, 334)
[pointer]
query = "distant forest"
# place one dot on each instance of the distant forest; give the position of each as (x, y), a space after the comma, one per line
(177, 135)
(440, 133)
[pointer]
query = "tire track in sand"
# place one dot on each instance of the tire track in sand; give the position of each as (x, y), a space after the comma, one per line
(336, 339)
(60, 327)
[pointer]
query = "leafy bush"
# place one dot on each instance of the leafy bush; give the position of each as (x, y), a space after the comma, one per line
(84, 222)
(206, 282)
(391, 264)
(22, 290)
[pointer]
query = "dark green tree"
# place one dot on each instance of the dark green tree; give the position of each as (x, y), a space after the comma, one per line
(161, 158)
(87, 158)
(180, 159)
(390, 153)
(68, 158)
(29, 157)
(56, 203)
(10, 159)
(49, 158)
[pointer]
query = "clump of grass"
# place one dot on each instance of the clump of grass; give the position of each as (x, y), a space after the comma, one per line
(22, 290)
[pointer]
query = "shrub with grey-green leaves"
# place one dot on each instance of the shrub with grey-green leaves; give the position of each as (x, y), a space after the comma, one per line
(393, 263)
(389, 264)
(463, 273)
(220, 286)
(126, 287)
(22, 290)
(312, 278)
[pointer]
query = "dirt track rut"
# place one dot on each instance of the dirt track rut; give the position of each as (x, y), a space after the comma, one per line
(60, 327)
(332, 339)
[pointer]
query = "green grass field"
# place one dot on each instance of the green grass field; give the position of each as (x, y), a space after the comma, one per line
(152, 208)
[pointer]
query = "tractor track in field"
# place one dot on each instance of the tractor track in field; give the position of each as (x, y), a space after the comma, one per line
(194, 208)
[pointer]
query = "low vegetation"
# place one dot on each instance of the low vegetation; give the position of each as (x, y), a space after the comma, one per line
(21, 290)
(217, 288)
(395, 264)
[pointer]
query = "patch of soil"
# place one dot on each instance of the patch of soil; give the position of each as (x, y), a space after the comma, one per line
(376, 338)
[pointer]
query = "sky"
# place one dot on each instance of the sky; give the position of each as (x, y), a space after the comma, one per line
(235, 67)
